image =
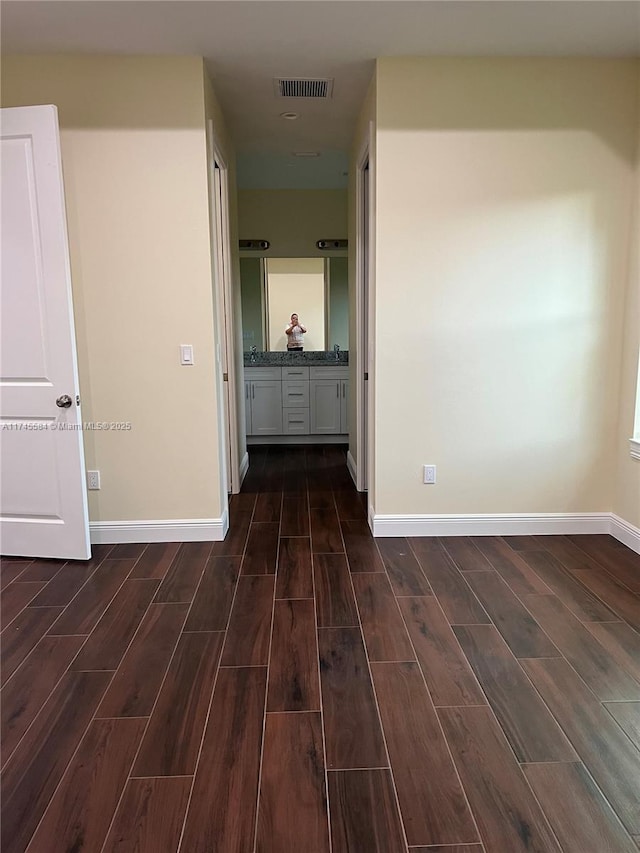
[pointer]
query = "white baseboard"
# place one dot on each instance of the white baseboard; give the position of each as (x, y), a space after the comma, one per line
(506, 524)
(626, 533)
(166, 530)
(499, 524)
(351, 466)
(244, 467)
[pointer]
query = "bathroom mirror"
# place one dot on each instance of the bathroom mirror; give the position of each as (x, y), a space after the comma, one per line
(314, 288)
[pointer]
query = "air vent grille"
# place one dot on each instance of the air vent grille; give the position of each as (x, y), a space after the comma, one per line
(298, 87)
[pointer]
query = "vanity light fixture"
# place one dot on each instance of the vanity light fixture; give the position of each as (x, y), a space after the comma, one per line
(332, 244)
(254, 244)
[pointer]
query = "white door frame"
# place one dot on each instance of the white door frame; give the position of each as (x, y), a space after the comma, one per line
(364, 312)
(223, 296)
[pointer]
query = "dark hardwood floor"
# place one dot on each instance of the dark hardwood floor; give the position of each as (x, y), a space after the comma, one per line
(304, 688)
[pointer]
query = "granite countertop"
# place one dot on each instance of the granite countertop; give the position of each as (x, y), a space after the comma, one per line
(286, 359)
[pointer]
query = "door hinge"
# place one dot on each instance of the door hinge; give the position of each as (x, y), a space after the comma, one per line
(366, 376)
(225, 377)
(77, 399)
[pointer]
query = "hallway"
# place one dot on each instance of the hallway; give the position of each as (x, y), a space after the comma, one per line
(302, 687)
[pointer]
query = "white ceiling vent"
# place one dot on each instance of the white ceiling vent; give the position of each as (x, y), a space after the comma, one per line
(298, 87)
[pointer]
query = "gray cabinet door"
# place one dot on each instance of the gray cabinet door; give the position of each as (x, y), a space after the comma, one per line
(247, 406)
(266, 407)
(344, 406)
(325, 406)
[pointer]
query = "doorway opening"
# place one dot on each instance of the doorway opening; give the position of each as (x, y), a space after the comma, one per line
(288, 398)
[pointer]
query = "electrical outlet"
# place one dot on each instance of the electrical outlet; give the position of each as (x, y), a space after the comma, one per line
(93, 479)
(429, 474)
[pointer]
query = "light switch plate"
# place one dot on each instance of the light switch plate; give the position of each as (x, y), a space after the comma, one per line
(186, 354)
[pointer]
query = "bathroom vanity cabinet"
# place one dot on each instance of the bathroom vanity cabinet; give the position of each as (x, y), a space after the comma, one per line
(296, 400)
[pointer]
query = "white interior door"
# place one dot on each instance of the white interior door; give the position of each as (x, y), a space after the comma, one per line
(365, 327)
(220, 298)
(363, 304)
(221, 245)
(43, 504)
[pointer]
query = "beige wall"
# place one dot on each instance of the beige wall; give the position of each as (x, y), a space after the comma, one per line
(504, 191)
(134, 160)
(627, 495)
(293, 220)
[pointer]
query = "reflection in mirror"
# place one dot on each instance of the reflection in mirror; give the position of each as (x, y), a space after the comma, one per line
(314, 288)
(295, 286)
(338, 300)
(251, 287)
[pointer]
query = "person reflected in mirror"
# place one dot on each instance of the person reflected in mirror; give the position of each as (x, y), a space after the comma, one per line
(294, 332)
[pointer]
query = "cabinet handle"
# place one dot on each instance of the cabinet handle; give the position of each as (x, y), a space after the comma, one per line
(338, 390)
(246, 393)
(296, 394)
(253, 391)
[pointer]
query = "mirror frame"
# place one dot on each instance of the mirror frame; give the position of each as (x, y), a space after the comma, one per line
(264, 297)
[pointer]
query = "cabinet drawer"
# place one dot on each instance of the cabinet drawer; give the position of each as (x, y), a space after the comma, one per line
(295, 394)
(340, 372)
(296, 421)
(295, 373)
(251, 373)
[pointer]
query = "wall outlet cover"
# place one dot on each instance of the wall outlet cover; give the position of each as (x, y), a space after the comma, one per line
(429, 474)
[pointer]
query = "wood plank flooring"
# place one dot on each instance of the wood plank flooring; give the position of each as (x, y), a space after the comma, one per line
(304, 687)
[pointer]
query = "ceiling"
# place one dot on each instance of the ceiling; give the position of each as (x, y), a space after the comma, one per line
(246, 43)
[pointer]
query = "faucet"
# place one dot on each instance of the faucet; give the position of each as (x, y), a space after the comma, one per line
(254, 350)
(336, 349)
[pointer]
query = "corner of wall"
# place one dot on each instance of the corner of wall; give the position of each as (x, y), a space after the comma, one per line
(627, 485)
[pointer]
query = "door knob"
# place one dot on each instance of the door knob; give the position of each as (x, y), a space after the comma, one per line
(64, 402)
